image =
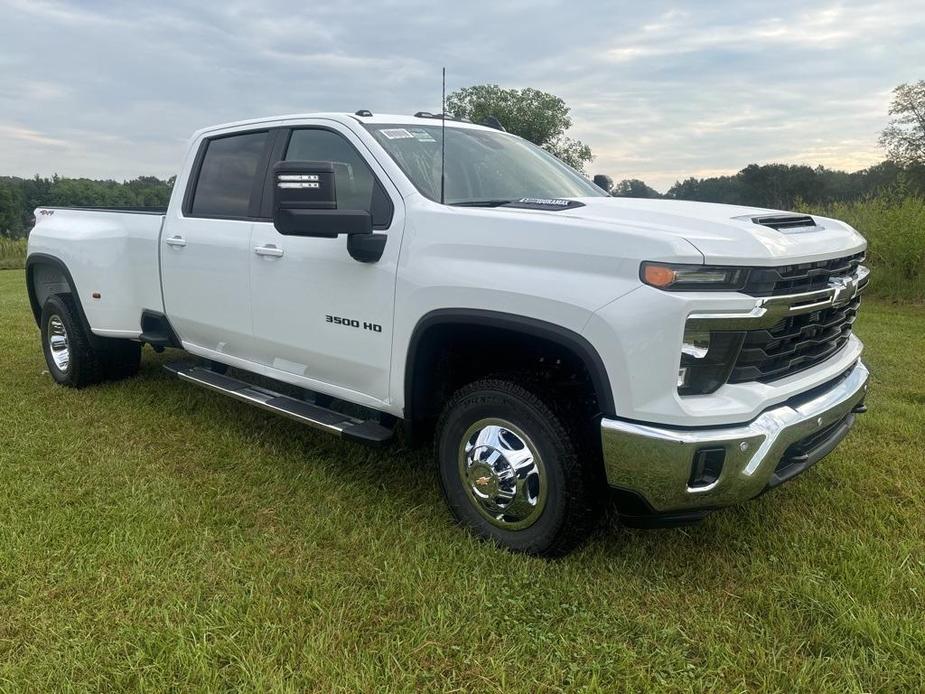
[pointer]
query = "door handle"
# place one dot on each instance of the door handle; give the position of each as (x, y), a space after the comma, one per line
(176, 241)
(269, 250)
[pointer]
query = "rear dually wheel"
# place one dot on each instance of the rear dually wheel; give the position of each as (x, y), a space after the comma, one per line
(71, 358)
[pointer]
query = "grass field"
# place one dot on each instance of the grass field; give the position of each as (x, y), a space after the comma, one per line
(156, 536)
(12, 253)
(894, 226)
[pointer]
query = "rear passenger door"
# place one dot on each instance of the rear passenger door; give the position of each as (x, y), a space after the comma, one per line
(206, 247)
(321, 317)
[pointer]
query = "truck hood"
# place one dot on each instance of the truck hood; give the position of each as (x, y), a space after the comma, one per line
(725, 234)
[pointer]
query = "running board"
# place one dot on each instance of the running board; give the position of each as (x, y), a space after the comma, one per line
(364, 431)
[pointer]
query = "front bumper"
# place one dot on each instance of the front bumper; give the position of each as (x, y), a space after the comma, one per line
(654, 463)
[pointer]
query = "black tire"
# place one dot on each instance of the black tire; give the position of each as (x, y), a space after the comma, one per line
(565, 514)
(113, 359)
(84, 366)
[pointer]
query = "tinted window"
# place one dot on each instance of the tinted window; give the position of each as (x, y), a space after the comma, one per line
(354, 182)
(227, 174)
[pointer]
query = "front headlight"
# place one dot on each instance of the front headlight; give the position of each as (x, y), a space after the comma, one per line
(706, 360)
(692, 278)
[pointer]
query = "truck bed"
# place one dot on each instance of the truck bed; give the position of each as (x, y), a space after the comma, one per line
(111, 254)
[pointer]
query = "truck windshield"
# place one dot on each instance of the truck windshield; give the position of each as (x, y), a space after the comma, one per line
(483, 167)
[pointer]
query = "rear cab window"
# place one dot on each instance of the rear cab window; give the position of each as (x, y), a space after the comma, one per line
(229, 170)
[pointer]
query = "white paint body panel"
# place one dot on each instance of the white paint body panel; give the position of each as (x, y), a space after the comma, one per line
(207, 291)
(112, 254)
(577, 269)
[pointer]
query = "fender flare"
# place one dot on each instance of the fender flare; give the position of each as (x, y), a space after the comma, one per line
(45, 259)
(532, 327)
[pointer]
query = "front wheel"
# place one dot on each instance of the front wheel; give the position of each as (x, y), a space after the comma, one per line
(511, 470)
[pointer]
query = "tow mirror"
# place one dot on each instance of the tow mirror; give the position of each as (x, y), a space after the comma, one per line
(305, 202)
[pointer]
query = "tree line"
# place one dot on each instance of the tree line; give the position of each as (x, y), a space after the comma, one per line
(783, 186)
(20, 196)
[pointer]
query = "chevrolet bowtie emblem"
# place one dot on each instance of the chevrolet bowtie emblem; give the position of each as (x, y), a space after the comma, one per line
(845, 289)
(482, 481)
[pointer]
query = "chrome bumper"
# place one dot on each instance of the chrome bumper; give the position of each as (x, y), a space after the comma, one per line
(655, 462)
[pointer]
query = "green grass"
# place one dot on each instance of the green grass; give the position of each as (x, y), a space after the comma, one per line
(156, 536)
(12, 253)
(894, 226)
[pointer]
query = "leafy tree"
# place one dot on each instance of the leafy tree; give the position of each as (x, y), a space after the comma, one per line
(8, 213)
(633, 188)
(604, 182)
(537, 116)
(782, 186)
(904, 137)
(19, 197)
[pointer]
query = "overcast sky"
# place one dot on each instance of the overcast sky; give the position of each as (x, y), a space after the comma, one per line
(660, 91)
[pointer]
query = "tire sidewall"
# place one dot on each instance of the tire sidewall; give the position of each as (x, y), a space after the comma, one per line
(487, 404)
(55, 306)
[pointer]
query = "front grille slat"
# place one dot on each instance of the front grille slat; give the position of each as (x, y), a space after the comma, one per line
(794, 344)
(757, 354)
(766, 338)
(803, 277)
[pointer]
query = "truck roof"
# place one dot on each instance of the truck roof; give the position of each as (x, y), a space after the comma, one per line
(378, 118)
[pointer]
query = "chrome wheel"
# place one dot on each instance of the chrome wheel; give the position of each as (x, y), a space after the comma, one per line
(58, 344)
(503, 474)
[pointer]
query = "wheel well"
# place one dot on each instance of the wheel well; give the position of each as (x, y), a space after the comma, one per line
(453, 348)
(47, 275)
(44, 277)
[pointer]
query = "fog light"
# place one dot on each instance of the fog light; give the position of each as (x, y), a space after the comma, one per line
(707, 467)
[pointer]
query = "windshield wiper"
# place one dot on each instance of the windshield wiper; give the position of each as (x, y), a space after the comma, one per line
(481, 203)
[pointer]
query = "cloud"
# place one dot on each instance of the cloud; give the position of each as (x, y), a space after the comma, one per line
(16, 133)
(660, 91)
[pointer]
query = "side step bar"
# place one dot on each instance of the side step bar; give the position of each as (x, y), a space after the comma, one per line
(364, 431)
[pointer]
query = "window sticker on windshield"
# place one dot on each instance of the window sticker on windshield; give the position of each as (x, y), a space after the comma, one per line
(396, 133)
(421, 135)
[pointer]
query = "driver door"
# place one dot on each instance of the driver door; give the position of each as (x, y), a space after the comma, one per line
(321, 319)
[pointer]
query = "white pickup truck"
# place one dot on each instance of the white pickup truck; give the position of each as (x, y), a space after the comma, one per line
(354, 270)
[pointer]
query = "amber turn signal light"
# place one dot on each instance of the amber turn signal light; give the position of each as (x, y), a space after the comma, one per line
(659, 275)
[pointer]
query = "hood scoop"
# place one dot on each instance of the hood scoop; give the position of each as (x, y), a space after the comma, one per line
(787, 222)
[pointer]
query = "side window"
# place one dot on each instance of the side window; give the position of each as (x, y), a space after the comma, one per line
(227, 175)
(356, 186)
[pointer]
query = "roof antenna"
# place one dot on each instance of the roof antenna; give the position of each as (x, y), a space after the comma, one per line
(443, 142)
